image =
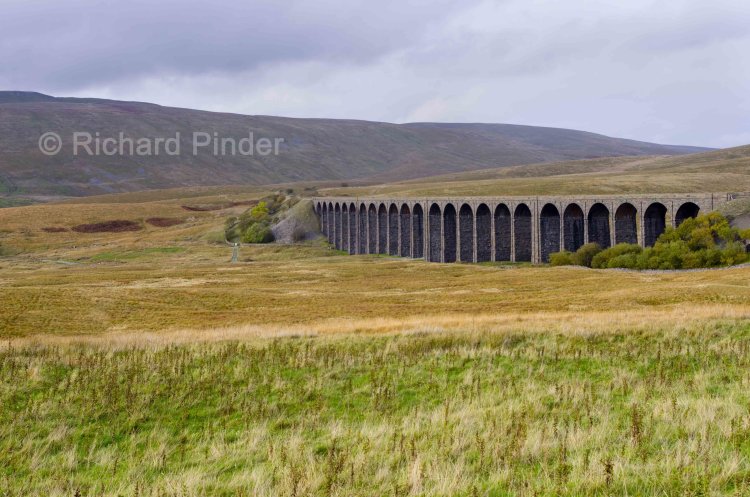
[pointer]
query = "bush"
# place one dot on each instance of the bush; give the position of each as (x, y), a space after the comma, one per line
(259, 212)
(258, 233)
(705, 241)
(563, 258)
(253, 225)
(585, 254)
(622, 253)
(702, 242)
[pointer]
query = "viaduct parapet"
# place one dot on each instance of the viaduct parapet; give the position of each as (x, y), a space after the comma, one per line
(517, 229)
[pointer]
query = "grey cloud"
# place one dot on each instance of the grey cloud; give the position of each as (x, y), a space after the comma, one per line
(674, 72)
(70, 44)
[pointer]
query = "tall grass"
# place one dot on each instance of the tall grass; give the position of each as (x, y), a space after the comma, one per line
(660, 412)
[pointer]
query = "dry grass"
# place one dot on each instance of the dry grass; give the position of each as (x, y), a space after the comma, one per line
(154, 290)
(170, 279)
(145, 364)
(720, 171)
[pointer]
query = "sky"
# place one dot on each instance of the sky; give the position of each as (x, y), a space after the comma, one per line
(674, 71)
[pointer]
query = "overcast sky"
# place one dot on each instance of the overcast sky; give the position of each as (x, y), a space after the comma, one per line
(675, 71)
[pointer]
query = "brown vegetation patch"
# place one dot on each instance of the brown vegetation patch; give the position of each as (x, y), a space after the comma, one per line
(164, 222)
(218, 207)
(54, 229)
(249, 203)
(115, 226)
(203, 208)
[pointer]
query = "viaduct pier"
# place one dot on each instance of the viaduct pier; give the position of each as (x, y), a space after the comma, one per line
(516, 229)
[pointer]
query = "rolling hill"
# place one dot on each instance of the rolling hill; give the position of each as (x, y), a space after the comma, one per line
(313, 149)
(726, 170)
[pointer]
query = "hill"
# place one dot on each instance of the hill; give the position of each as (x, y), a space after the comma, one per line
(313, 149)
(726, 170)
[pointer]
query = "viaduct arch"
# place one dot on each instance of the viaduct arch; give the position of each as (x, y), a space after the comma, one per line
(516, 229)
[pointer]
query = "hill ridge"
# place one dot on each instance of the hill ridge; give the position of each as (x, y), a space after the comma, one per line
(314, 149)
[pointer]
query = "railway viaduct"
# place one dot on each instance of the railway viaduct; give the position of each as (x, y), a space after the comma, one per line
(479, 229)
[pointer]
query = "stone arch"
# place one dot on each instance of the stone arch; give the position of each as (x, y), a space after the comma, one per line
(686, 210)
(337, 226)
(405, 231)
(362, 238)
(522, 229)
(573, 227)
(393, 230)
(449, 233)
(345, 228)
(549, 231)
(331, 230)
(417, 226)
(654, 223)
(324, 220)
(382, 229)
(352, 229)
(626, 226)
(436, 241)
(484, 233)
(466, 233)
(372, 230)
(599, 229)
(502, 233)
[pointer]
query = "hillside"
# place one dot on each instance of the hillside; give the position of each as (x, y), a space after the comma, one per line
(726, 170)
(313, 149)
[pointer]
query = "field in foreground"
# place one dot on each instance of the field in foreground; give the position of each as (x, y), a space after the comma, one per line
(145, 363)
(664, 412)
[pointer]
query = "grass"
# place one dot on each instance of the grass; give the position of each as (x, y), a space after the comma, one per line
(659, 412)
(146, 364)
(129, 255)
(717, 171)
(14, 201)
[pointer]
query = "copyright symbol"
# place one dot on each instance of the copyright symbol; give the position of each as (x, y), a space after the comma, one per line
(50, 143)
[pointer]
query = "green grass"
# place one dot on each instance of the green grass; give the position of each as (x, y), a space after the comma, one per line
(14, 202)
(664, 412)
(132, 255)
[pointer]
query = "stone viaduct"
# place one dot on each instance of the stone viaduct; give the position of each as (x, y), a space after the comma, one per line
(479, 229)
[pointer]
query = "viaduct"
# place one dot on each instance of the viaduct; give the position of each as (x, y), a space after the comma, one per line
(480, 229)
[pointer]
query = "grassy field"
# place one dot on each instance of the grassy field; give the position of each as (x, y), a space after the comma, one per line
(658, 412)
(725, 170)
(144, 363)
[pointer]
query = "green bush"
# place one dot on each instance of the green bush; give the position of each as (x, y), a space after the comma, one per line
(622, 253)
(258, 233)
(706, 241)
(259, 212)
(253, 224)
(563, 258)
(585, 254)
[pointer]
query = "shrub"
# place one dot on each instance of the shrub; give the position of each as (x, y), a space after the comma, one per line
(702, 242)
(259, 212)
(628, 260)
(258, 233)
(585, 254)
(622, 252)
(563, 258)
(705, 241)
(734, 253)
(252, 224)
